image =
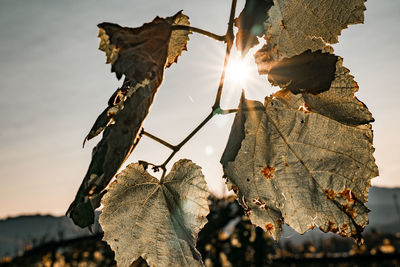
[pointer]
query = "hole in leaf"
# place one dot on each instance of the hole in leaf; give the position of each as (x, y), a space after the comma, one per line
(305, 108)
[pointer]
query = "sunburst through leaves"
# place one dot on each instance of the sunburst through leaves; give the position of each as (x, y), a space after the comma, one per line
(303, 157)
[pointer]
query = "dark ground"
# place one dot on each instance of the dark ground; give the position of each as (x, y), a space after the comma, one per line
(229, 239)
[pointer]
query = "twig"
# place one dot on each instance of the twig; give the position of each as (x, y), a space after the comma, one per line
(201, 31)
(155, 138)
(229, 42)
(229, 111)
(182, 143)
(216, 109)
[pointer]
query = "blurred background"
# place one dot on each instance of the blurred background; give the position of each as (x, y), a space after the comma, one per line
(54, 83)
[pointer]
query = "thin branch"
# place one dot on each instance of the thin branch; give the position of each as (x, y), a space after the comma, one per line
(201, 31)
(195, 130)
(229, 42)
(155, 138)
(229, 111)
(181, 144)
(216, 109)
(231, 19)
(234, 110)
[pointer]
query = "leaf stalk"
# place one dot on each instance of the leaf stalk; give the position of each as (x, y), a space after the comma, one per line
(201, 31)
(155, 138)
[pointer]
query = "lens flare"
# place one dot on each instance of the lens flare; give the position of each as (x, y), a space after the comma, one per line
(238, 71)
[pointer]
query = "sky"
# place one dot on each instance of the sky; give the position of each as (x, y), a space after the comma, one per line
(54, 83)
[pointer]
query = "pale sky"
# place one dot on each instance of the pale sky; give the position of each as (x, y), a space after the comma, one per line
(54, 83)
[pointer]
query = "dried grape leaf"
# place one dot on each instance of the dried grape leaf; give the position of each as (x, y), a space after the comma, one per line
(339, 102)
(250, 24)
(141, 54)
(178, 39)
(294, 27)
(120, 137)
(156, 220)
(99, 125)
(297, 166)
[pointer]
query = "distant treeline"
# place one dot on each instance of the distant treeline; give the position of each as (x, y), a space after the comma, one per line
(229, 239)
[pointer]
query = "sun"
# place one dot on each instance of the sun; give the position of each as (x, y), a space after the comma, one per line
(242, 76)
(238, 71)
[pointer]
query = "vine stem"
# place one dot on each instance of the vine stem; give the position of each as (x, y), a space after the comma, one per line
(155, 138)
(183, 142)
(229, 42)
(216, 108)
(198, 30)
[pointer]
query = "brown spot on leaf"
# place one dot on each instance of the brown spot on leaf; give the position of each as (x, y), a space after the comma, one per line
(343, 230)
(260, 203)
(284, 161)
(269, 227)
(268, 172)
(346, 194)
(332, 227)
(348, 209)
(312, 226)
(330, 193)
(283, 24)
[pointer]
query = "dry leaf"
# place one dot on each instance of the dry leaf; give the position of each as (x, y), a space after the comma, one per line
(250, 24)
(339, 102)
(178, 39)
(297, 166)
(141, 54)
(299, 28)
(296, 26)
(156, 220)
(305, 159)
